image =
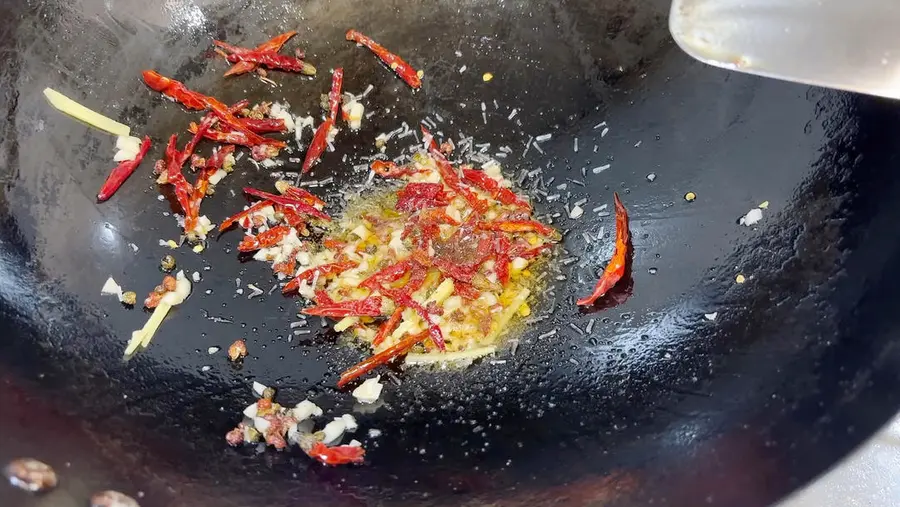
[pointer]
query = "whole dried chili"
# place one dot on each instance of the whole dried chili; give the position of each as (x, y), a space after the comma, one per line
(256, 208)
(334, 96)
(417, 196)
(297, 204)
(122, 171)
(310, 274)
(615, 270)
(368, 307)
(403, 69)
(337, 455)
(265, 239)
(273, 44)
(502, 194)
(317, 146)
(383, 357)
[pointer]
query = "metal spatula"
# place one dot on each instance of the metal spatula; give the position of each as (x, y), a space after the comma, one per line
(846, 44)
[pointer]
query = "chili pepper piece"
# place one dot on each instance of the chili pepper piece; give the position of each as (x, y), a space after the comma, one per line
(337, 455)
(323, 270)
(417, 196)
(264, 239)
(502, 194)
(174, 90)
(383, 357)
(515, 226)
(615, 270)
(273, 44)
(300, 194)
(388, 274)
(397, 64)
(334, 96)
(502, 247)
(368, 307)
(448, 174)
(389, 169)
(263, 125)
(388, 326)
(228, 222)
(317, 146)
(298, 205)
(230, 137)
(434, 331)
(197, 101)
(272, 60)
(121, 172)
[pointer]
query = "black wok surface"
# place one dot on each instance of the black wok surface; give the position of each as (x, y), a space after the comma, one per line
(657, 405)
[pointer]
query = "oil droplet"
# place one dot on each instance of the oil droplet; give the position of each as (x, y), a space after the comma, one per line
(652, 271)
(690, 196)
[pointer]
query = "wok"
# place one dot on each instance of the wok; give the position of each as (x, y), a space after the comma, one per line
(656, 405)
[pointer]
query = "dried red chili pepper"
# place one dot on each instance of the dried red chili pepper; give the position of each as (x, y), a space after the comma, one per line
(257, 207)
(448, 174)
(274, 44)
(404, 298)
(268, 59)
(502, 194)
(383, 357)
(310, 274)
(230, 137)
(368, 307)
(403, 69)
(466, 291)
(122, 171)
(293, 218)
(387, 274)
(197, 101)
(337, 455)
(264, 239)
(502, 246)
(334, 96)
(287, 267)
(297, 204)
(213, 164)
(615, 270)
(175, 90)
(263, 125)
(515, 226)
(317, 146)
(388, 326)
(299, 194)
(417, 196)
(388, 169)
